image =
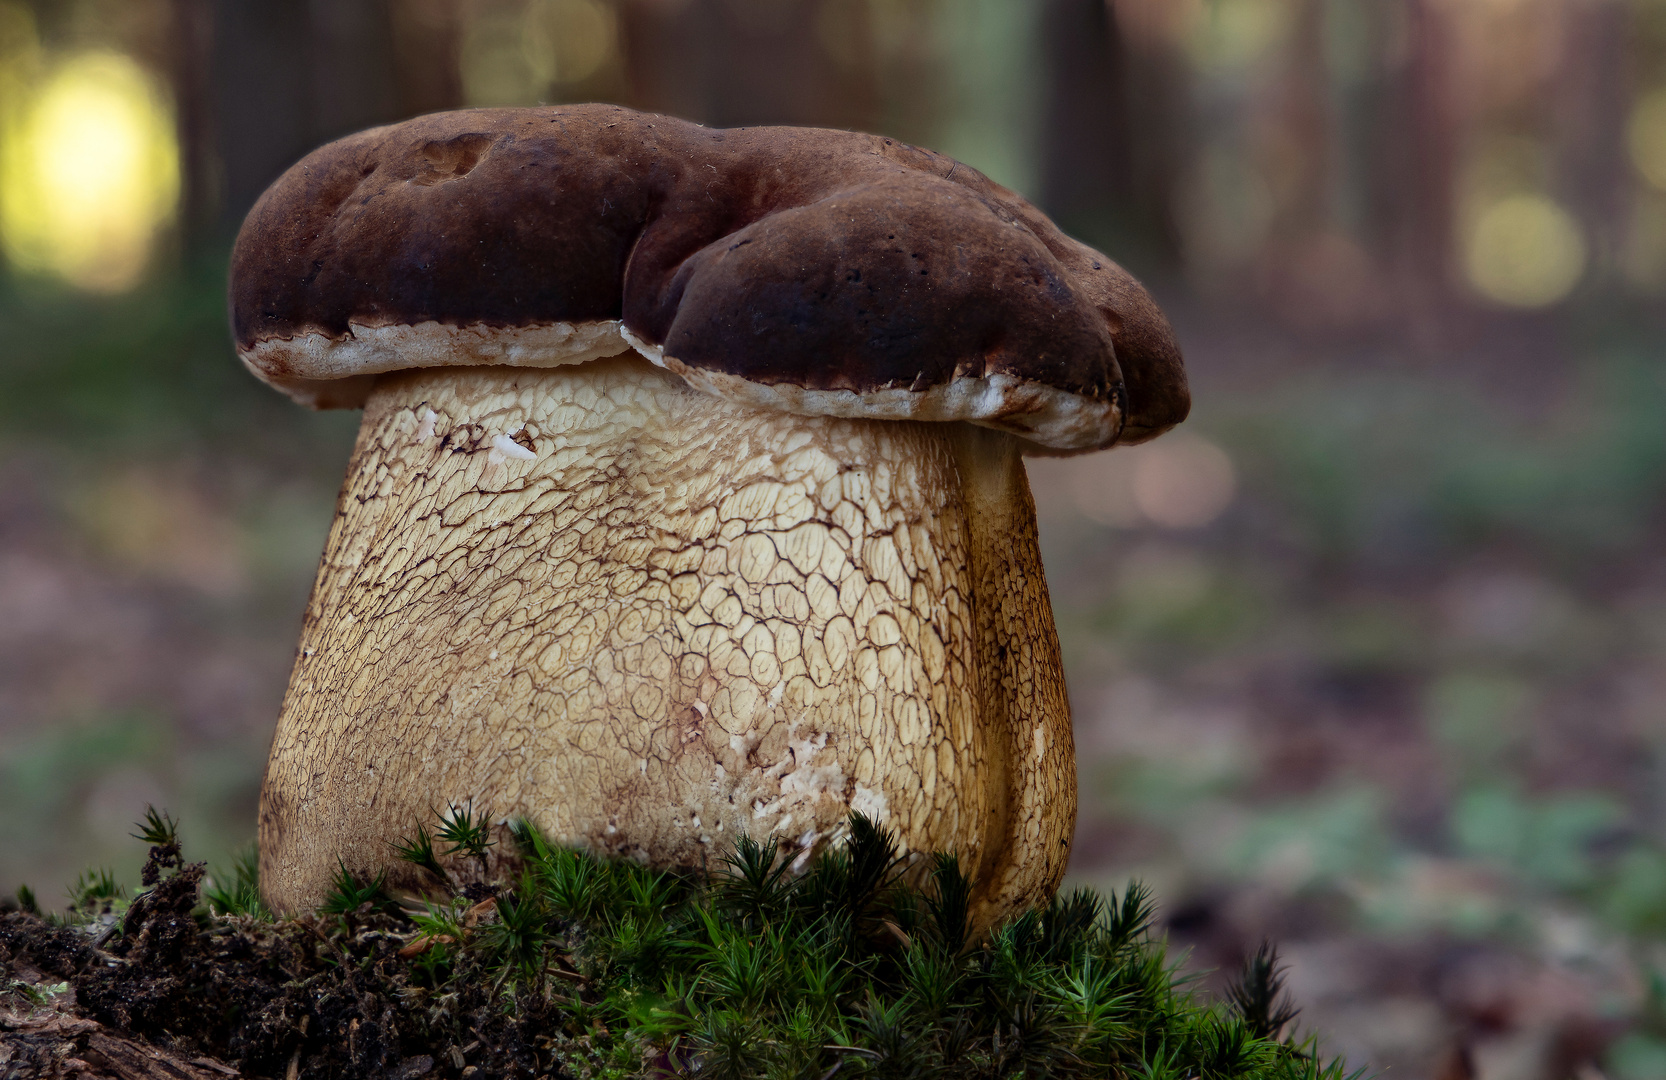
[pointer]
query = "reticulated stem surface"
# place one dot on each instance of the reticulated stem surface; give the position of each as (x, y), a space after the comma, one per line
(649, 620)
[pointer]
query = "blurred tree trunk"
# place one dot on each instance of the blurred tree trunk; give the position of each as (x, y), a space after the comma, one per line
(733, 62)
(353, 82)
(287, 75)
(1589, 110)
(1303, 106)
(191, 37)
(426, 35)
(1415, 178)
(1109, 137)
(1087, 157)
(262, 86)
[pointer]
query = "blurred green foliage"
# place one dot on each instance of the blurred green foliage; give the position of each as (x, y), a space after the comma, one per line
(1410, 678)
(160, 478)
(151, 371)
(45, 782)
(1380, 468)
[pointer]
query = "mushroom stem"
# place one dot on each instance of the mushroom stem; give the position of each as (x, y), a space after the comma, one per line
(648, 620)
(1022, 693)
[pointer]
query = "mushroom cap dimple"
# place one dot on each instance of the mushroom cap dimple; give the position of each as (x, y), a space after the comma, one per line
(816, 271)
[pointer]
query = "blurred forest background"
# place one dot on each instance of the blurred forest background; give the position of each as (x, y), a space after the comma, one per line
(1369, 657)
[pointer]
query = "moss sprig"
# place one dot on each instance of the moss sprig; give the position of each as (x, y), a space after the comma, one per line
(860, 962)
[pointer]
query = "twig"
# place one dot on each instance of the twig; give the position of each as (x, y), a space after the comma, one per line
(852, 1050)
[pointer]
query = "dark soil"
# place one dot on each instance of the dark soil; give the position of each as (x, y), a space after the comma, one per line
(310, 998)
(591, 969)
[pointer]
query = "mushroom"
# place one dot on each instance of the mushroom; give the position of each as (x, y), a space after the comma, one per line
(688, 499)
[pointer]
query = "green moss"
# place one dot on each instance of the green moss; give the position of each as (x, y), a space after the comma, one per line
(862, 963)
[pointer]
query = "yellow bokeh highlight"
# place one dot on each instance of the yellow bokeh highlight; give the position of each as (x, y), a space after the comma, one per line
(1646, 136)
(19, 42)
(89, 173)
(567, 41)
(521, 57)
(1233, 36)
(1525, 251)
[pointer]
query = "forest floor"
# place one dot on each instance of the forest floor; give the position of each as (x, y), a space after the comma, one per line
(1397, 703)
(550, 963)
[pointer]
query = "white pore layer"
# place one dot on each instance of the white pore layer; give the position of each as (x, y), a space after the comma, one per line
(1057, 419)
(329, 372)
(337, 373)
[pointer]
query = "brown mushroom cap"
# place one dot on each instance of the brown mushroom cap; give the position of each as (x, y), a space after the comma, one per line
(819, 272)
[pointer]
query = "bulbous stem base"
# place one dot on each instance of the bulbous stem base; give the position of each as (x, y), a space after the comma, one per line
(649, 620)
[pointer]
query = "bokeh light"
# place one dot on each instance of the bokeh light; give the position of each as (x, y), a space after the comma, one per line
(1183, 482)
(567, 41)
(1646, 134)
(89, 173)
(1101, 486)
(1229, 37)
(1525, 251)
(520, 55)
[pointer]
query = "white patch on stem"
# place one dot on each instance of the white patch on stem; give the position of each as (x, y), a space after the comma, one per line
(871, 804)
(509, 448)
